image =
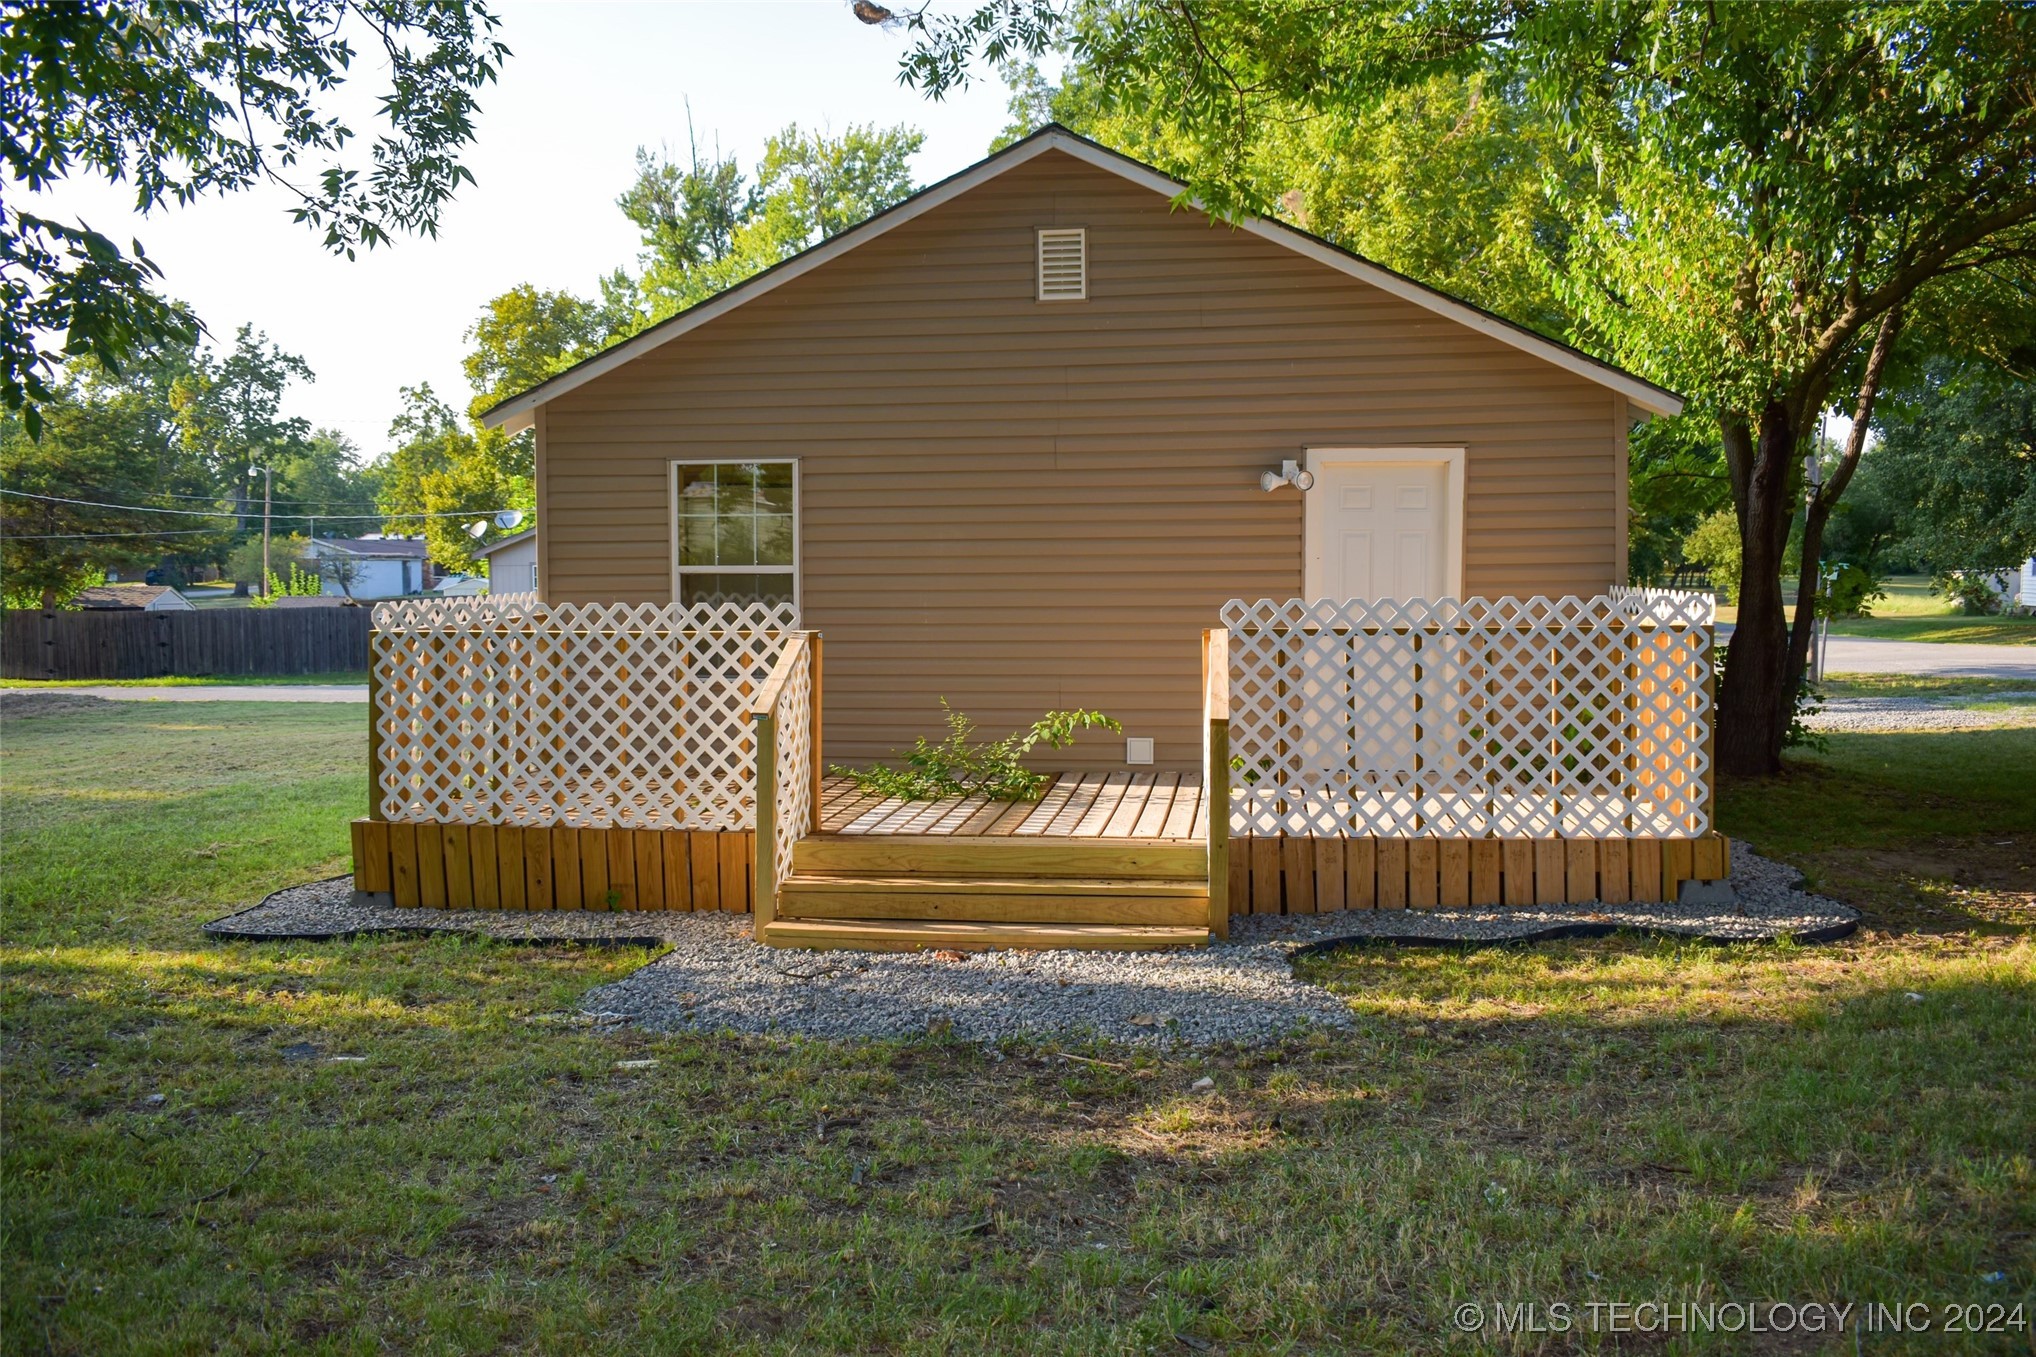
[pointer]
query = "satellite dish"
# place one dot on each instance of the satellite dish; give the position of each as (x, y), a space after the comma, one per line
(508, 519)
(477, 529)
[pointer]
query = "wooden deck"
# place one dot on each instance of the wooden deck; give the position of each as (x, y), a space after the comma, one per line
(1074, 806)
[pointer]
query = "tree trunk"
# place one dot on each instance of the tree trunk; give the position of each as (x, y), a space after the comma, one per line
(1752, 702)
(1818, 513)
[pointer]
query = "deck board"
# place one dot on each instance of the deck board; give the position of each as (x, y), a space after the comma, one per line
(1183, 816)
(1094, 805)
(1151, 821)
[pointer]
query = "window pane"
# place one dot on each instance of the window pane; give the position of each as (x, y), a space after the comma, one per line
(733, 588)
(736, 492)
(774, 539)
(696, 482)
(696, 533)
(736, 539)
(774, 488)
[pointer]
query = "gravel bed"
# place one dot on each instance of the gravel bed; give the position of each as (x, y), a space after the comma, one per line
(713, 978)
(323, 911)
(1889, 714)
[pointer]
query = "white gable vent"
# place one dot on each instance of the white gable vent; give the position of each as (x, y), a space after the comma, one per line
(1064, 265)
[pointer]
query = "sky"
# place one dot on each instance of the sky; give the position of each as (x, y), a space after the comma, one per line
(555, 145)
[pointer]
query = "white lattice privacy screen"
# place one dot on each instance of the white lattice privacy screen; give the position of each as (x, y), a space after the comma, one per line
(513, 712)
(793, 799)
(1479, 718)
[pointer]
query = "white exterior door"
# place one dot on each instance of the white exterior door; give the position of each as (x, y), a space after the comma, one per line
(1381, 529)
(1380, 525)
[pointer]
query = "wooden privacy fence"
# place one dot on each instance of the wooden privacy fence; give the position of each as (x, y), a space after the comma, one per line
(612, 745)
(1483, 752)
(206, 642)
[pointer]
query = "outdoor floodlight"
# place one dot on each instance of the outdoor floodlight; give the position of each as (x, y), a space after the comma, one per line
(1290, 473)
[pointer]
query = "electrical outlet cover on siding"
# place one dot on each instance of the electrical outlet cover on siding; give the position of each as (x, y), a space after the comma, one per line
(1064, 265)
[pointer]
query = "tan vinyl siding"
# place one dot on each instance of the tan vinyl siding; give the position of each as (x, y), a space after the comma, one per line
(1020, 505)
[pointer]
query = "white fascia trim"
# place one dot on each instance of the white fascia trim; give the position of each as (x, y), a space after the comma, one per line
(515, 416)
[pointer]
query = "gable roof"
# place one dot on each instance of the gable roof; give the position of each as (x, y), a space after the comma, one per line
(516, 412)
(123, 595)
(388, 547)
(511, 540)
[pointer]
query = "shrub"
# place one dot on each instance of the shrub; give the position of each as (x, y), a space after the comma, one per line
(1974, 591)
(1852, 593)
(1715, 545)
(300, 584)
(244, 562)
(960, 766)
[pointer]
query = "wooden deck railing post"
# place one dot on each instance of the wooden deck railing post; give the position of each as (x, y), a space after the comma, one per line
(374, 734)
(766, 873)
(1216, 772)
(819, 763)
(763, 710)
(1711, 729)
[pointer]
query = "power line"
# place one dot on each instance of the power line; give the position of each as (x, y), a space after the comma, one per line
(84, 536)
(251, 513)
(226, 494)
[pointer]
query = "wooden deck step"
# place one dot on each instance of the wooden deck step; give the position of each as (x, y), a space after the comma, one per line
(1142, 901)
(953, 855)
(913, 935)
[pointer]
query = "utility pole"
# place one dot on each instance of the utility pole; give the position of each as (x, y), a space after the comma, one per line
(268, 484)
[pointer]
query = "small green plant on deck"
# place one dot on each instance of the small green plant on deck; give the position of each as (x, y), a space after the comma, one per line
(960, 766)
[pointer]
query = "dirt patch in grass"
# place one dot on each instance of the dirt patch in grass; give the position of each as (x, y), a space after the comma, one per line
(1982, 883)
(18, 703)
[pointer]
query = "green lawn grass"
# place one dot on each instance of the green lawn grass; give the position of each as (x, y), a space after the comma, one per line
(1913, 612)
(1994, 631)
(251, 680)
(1955, 686)
(1611, 1120)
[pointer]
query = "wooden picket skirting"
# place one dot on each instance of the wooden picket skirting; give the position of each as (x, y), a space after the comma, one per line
(452, 866)
(1295, 874)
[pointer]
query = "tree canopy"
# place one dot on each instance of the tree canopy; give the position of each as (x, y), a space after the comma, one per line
(1960, 464)
(705, 226)
(443, 474)
(184, 98)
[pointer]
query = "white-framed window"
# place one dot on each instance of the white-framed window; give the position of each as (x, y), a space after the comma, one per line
(735, 530)
(1063, 264)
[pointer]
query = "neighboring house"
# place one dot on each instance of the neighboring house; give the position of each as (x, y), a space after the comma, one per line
(151, 598)
(2025, 584)
(372, 567)
(512, 563)
(1014, 442)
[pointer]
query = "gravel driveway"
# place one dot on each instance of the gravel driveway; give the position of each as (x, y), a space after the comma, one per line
(713, 978)
(1884, 714)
